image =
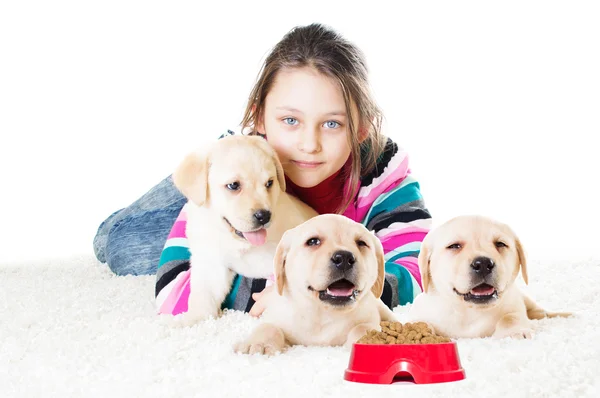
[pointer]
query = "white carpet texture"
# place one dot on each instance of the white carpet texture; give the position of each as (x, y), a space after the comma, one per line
(71, 328)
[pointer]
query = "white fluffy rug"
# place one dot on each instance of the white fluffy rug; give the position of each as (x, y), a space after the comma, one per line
(71, 328)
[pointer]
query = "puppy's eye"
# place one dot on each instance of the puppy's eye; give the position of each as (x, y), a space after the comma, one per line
(454, 246)
(500, 244)
(313, 242)
(269, 184)
(361, 243)
(234, 186)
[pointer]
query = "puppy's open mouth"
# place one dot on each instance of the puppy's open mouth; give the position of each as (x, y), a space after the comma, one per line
(256, 238)
(342, 292)
(480, 294)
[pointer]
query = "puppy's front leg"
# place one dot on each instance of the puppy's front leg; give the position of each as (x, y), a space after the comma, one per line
(513, 325)
(209, 285)
(266, 339)
(359, 331)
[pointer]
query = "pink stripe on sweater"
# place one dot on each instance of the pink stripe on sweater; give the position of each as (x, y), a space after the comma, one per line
(412, 266)
(351, 213)
(407, 229)
(178, 230)
(397, 241)
(177, 300)
(361, 212)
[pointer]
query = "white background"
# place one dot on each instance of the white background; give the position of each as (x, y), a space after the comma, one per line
(498, 105)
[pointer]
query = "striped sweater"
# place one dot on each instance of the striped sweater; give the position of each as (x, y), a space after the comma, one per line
(388, 202)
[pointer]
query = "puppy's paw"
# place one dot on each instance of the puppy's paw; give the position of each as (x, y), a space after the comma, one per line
(559, 314)
(251, 348)
(516, 333)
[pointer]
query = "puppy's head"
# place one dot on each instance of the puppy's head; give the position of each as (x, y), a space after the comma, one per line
(472, 259)
(240, 179)
(330, 259)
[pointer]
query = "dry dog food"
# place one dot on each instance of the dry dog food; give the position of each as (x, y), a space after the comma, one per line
(397, 333)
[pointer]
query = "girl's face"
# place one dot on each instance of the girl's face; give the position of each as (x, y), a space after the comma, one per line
(305, 121)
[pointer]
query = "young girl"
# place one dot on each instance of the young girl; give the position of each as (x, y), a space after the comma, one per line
(313, 104)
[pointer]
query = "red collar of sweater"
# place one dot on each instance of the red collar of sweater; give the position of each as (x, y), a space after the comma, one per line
(325, 197)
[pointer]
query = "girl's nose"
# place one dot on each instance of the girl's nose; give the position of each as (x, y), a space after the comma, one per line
(309, 141)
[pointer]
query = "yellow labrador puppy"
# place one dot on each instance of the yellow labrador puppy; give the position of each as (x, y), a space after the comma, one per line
(238, 211)
(468, 268)
(329, 275)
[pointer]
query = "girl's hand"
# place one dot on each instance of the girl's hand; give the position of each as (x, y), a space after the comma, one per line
(260, 301)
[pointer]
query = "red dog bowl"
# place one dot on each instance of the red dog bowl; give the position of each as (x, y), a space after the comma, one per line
(424, 363)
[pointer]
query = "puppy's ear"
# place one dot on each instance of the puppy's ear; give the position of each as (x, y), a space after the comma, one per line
(522, 260)
(191, 177)
(279, 168)
(279, 261)
(377, 288)
(424, 260)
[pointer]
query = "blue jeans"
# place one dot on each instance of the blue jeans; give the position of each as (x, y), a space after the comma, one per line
(131, 240)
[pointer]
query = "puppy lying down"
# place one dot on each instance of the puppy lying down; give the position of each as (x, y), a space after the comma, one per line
(468, 267)
(329, 275)
(237, 212)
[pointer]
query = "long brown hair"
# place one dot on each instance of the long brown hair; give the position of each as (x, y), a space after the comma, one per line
(332, 55)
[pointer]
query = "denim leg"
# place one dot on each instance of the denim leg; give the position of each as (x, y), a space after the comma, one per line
(161, 196)
(102, 234)
(135, 243)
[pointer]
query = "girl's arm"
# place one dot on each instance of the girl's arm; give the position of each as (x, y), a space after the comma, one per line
(175, 256)
(401, 232)
(396, 212)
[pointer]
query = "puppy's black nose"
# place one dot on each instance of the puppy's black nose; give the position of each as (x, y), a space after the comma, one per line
(343, 260)
(263, 216)
(482, 266)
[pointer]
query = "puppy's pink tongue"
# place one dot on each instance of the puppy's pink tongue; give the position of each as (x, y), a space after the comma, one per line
(339, 292)
(340, 289)
(483, 290)
(256, 238)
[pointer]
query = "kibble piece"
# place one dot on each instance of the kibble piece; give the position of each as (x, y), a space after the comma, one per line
(389, 332)
(397, 326)
(421, 325)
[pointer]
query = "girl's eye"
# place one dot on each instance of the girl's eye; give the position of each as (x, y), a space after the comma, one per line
(269, 184)
(331, 124)
(313, 242)
(290, 121)
(500, 244)
(234, 186)
(361, 243)
(454, 246)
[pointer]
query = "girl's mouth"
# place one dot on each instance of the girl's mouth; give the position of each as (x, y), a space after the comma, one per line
(306, 165)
